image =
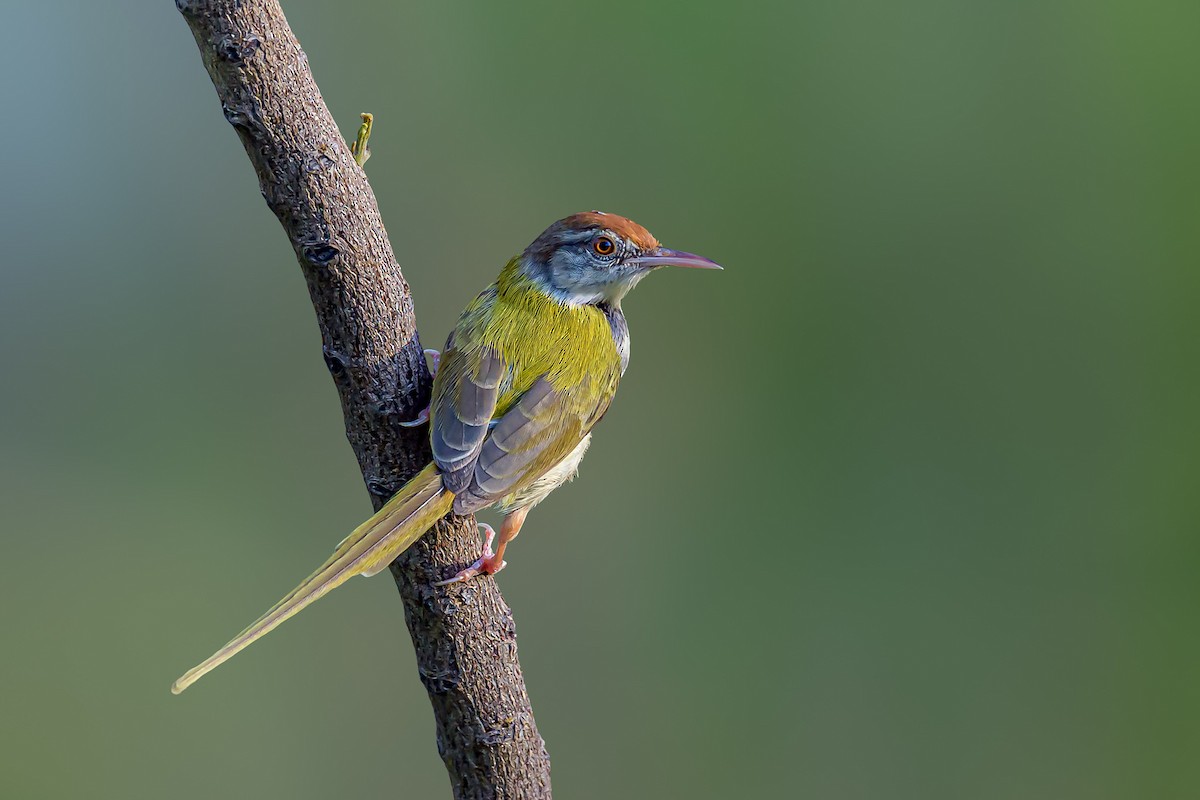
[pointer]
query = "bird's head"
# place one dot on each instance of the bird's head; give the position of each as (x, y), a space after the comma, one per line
(595, 257)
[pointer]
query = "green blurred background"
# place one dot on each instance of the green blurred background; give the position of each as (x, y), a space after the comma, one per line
(903, 504)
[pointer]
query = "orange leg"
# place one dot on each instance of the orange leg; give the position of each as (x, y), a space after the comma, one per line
(490, 563)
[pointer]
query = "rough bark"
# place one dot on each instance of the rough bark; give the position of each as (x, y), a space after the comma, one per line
(464, 637)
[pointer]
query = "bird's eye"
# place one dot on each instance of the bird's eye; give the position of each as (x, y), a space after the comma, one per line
(604, 246)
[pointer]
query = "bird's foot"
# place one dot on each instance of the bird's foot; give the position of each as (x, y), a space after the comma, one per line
(434, 358)
(486, 564)
(420, 420)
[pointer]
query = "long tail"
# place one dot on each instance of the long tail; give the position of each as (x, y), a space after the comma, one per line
(367, 551)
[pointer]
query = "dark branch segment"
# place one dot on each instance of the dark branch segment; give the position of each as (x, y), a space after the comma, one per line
(465, 639)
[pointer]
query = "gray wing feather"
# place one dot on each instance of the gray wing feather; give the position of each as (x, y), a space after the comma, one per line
(460, 428)
(501, 459)
(516, 440)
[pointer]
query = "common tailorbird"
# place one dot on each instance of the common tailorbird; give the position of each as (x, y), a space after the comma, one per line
(531, 367)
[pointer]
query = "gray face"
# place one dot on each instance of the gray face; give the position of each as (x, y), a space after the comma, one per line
(588, 266)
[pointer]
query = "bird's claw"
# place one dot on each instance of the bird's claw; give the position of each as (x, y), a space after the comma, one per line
(435, 358)
(421, 419)
(486, 564)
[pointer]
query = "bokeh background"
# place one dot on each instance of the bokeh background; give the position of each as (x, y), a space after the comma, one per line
(903, 504)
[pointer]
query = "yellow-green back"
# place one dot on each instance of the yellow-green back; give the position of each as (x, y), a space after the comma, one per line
(536, 335)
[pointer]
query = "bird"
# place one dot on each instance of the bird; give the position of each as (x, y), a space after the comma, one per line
(530, 368)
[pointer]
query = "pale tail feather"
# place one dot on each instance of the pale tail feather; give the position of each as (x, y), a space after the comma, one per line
(367, 551)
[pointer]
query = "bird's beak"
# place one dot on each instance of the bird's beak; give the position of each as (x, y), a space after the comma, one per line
(663, 257)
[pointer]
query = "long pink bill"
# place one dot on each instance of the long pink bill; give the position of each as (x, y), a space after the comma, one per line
(663, 257)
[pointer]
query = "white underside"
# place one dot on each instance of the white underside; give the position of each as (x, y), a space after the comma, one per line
(556, 476)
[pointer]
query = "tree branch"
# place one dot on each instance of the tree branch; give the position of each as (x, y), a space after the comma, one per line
(465, 638)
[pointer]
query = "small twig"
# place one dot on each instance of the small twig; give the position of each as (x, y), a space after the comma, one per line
(359, 148)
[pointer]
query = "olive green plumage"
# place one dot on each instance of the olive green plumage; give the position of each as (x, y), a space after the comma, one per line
(555, 370)
(531, 367)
